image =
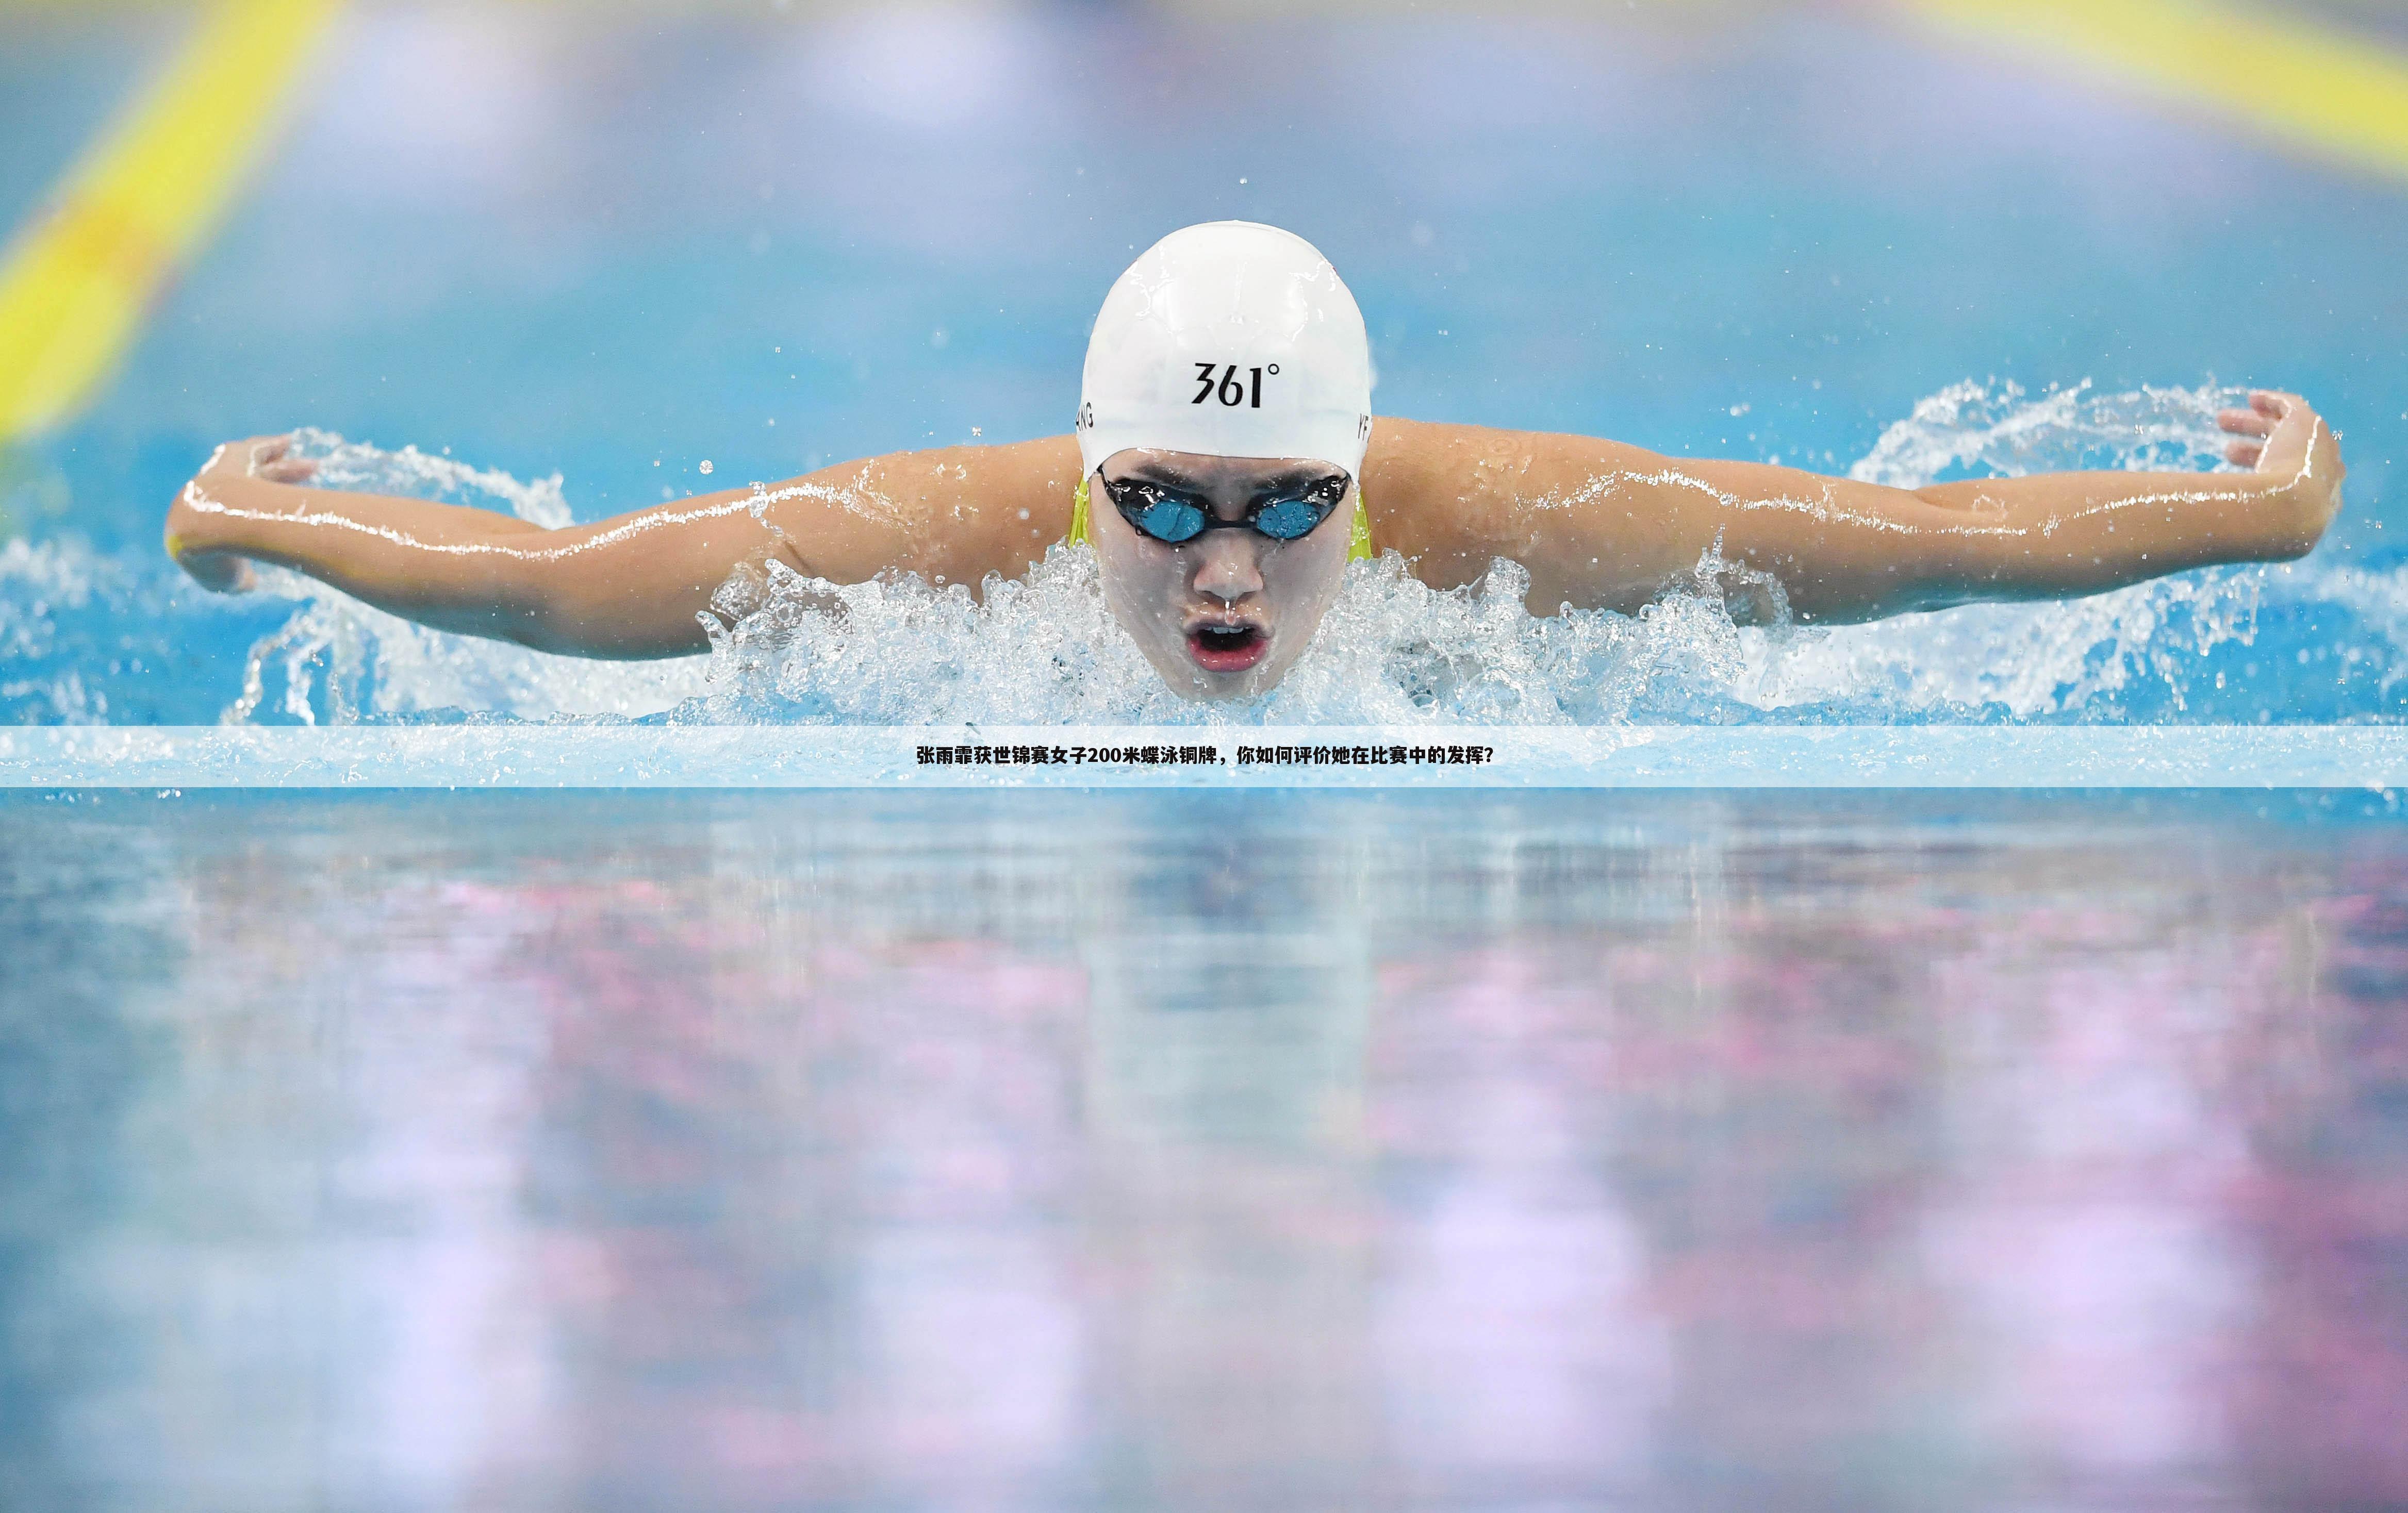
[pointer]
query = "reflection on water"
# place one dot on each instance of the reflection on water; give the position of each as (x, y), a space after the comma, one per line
(1204, 1151)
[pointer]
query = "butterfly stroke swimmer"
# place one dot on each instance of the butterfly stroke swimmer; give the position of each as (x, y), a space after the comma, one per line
(1225, 468)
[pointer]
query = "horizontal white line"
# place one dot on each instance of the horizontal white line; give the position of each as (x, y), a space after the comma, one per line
(1644, 756)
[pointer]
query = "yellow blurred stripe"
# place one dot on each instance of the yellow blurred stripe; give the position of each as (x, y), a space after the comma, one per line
(79, 278)
(2314, 85)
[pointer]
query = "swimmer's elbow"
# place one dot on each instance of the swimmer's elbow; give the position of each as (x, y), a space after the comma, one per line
(607, 624)
(539, 630)
(608, 637)
(521, 602)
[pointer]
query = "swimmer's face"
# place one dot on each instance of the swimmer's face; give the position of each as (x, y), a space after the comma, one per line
(1225, 614)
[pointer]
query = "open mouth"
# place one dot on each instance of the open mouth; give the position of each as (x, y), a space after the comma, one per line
(1226, 648)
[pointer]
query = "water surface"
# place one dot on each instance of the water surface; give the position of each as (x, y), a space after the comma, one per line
(1466, 1150)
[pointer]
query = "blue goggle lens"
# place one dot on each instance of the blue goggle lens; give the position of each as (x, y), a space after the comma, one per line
(1289, 519)
(1175, 519)
(1172, 521)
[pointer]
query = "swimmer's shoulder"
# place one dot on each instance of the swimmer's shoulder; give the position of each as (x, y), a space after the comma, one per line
(1016, 498)
(1452, 498)
(952, 512)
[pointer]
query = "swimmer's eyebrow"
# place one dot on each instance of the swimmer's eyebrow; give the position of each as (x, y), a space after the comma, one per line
(1300, 477)
(1171, 477)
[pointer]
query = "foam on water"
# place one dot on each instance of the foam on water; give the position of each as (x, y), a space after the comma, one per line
(349, 464)
(2308, 642)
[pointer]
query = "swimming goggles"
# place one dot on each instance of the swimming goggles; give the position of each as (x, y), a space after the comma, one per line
(1174, 517)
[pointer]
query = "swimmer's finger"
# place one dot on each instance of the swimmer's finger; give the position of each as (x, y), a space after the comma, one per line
(2273, 401)
(2246, 423)
(288, 470)
(2245, 453)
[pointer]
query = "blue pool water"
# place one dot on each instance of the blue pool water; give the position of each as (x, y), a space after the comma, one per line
(1503, 1146)
(605, 253)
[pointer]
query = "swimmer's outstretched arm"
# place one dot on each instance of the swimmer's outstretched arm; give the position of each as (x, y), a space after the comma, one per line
(628, 587)
(1601, 525)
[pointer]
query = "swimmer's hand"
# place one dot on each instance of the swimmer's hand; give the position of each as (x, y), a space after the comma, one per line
(195, 531)
(2279, 436)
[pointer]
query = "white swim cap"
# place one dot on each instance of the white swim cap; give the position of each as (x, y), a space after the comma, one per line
(1229, 339)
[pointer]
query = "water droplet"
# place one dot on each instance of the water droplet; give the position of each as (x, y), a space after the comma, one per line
(706, 465)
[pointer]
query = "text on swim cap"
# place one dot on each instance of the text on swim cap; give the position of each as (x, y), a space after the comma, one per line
(1216, 382)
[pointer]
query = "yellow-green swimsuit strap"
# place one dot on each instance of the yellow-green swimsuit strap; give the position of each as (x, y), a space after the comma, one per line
(1358, 548)
(1078, 537)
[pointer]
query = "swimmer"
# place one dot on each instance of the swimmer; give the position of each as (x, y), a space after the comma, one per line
(1225, 468)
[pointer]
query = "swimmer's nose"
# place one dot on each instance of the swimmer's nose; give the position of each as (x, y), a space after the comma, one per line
(1226, 566)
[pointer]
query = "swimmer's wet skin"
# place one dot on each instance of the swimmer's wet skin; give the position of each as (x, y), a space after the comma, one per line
(1228, 378)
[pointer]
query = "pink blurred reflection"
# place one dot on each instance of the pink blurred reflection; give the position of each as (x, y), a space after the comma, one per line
(795, 1199)
(1777, 1174)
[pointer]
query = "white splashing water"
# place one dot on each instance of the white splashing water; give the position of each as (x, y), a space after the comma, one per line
(342, 660)
(44, 582)
(1393, 651)
(1974, 429)
(349, 464)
